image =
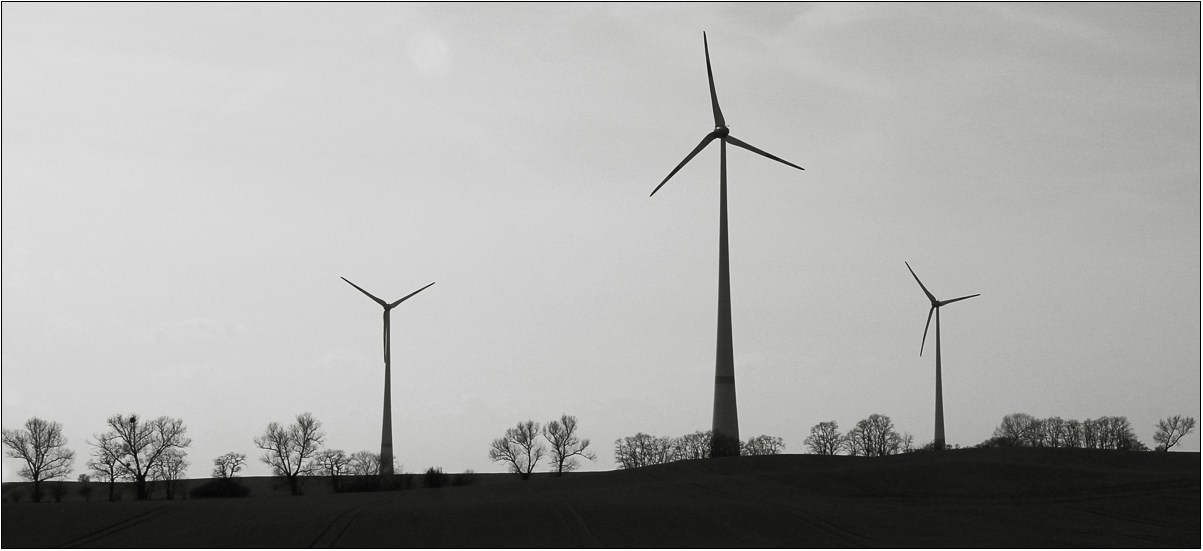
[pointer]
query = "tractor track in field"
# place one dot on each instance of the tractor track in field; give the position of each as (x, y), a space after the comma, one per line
(115, 527)
(334, 531)
(572, 520)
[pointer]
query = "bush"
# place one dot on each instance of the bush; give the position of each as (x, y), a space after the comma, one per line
(995, 442)
(220, 487)
(434, 478)
(15, 494)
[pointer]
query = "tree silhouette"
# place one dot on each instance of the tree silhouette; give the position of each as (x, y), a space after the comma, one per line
(762, 445)
(42, 446)
(289, 450)
(332, 463)
(642, 450)
(825, 439)
(364, 463)
(228, 465)
(171, 469)
(566, 445)
(873, 437)
(520, 448)
(139, 445)
(1171, 430)
(692, 446)
(104, 463)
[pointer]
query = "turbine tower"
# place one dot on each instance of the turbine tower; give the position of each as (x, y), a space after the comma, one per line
(935, 307)
(386, 430)
(725, 427)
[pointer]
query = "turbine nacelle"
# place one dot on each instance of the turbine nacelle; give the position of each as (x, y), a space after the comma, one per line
(386, 305)
(721, 131)
(935, 306)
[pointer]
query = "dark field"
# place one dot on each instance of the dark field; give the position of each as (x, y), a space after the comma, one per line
(1022, 497)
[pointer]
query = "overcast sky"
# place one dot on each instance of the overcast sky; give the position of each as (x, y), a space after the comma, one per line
(184, 184)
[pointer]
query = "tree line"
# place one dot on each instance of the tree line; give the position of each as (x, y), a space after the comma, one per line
(147, 452)
(153, 452)
(643, 450)
(1103, 433)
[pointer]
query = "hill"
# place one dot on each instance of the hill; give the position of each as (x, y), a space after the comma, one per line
(1019, 497)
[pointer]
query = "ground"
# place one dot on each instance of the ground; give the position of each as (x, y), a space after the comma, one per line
(1019, 497)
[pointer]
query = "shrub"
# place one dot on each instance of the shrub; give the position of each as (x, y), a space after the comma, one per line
(434, 478)
(220, 487)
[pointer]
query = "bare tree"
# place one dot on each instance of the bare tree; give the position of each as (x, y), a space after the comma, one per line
(365, 463)
(290, 450)
(1072, 434)
(228, 465)
(642, 450)
(171, 469)
(1016, 429)
(1171, 430)
(1091, 434)
(332, 463)
(104, 463)
(519, 448)
(1110, 433)
(1054, 432)
(140, 445)
(691, 446)
(566, 445)
(42, 446)
(762, 445)
(825, 439)
(873, 437)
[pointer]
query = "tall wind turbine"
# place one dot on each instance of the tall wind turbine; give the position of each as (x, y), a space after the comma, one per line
(725, 425)
(386, 430)
(935, 307)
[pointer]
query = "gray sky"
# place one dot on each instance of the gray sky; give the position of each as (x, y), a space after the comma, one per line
(183, 185)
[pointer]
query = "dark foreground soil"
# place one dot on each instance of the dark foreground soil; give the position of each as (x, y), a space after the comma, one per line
(961, 498)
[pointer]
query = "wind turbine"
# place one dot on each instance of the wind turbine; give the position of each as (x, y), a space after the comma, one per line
(935, 307)
(725, 424)
(386, 430)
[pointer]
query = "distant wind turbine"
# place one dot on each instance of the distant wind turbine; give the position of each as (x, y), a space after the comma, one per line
(725, 424)
(386, 430)
(935, 307)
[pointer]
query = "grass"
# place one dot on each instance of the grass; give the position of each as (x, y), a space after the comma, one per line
(1021, 497)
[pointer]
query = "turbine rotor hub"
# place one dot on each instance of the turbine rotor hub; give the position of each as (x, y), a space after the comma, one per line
(721, 131)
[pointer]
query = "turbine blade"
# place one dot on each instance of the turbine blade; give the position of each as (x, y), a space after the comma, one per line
(378, 301)
(718, 113)
(950, 301)
(737, 142)
(925, 327)
(705, 141)
(402, 299)
(930, 297)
